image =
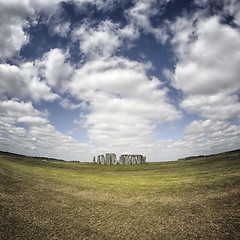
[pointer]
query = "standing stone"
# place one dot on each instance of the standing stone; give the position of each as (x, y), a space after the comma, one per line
(128, 160)
(139, 159)
(121, 160)
(124, 159)
(114, 159)
(134, 159)
(111, 158)
(101, 159)
(104, 160)
(108, 156)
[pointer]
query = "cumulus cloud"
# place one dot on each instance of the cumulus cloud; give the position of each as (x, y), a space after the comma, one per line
(68, 104)
(56, 68)
(105, 39)
(212, 135)
(119, 115)
(101, 4)
(233, 8)
(15, 17)
(206, 127)
(207, 52)
(12, 23)
(222, 8)
(97, 41)
(207, 72)
(206, 66)
(30, 120)
(62, 29)
(139, 16)
(202, 137)
(24, 82)
(12, 112)
(14, 108)
(117, 112)
(42, 140)
(38, 137)
(219, 106)
(58, 22)
(36, 80)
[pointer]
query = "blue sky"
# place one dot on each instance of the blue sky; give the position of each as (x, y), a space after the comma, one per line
(85, 77)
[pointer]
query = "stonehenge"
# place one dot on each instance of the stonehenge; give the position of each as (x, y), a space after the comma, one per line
(111, 158)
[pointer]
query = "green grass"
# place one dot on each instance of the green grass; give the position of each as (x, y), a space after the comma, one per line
(187, 199)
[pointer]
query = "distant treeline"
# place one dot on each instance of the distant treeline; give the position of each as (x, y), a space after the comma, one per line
(21, 155)
(206, 156)
(192, 157)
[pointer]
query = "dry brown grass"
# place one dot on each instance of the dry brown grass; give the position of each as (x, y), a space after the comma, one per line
(194, 199)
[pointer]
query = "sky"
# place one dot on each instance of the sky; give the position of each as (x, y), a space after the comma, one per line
(81, 78)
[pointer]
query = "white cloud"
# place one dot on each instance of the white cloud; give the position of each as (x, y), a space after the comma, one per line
(24, 82)
(57, 22)
(207, 73)
(218, 106)
(139, 16)
(213, 136)
(207, 66)
(102, 5)
(129, 32)
(222, 8)
(207, 70)
(48, 7)
(12, 22)
(119, 114)
(39, 137)
(66, 103)
(14, 108)
(107, 37)
(97, 41)
(15, 17)
(57, 70)
(61, 29)
(15, 138)
(125, 134)
(203, 137)
(206, 127)
(233, 8)
(113, 76)
(30, 120)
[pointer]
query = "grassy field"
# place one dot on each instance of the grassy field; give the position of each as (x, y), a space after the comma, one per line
(187, 199)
